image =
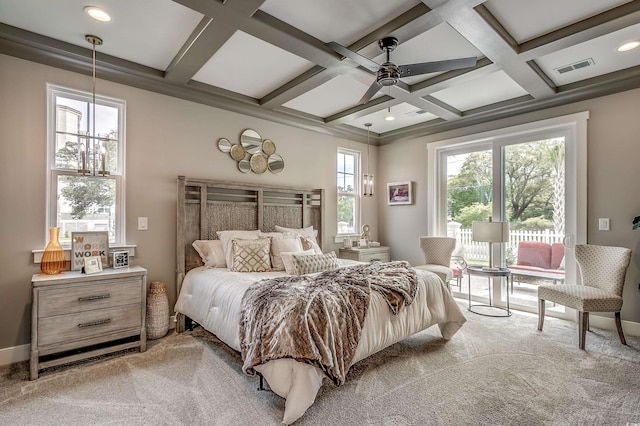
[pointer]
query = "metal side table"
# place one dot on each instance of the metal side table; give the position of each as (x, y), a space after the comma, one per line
(489, 273)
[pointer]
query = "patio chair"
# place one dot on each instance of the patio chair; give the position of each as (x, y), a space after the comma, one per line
(603, 271)
(437, 256)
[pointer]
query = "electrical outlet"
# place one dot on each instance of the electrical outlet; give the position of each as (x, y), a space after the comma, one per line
(143, 224)
(603, 224)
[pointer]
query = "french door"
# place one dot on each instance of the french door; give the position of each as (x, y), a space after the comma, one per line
(532, 176)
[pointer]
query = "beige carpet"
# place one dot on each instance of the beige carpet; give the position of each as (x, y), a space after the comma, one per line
(495, 371)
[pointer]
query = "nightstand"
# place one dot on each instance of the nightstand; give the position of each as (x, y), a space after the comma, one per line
(76, 316)
(381, 254)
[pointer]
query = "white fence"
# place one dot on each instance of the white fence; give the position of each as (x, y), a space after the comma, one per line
(474, 250)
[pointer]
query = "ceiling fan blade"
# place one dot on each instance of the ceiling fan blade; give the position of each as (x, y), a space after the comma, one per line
(436, 66)
(350, 54)
(372, 90)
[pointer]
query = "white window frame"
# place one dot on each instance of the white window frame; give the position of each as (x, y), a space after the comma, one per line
(357, 194)
(53, 173)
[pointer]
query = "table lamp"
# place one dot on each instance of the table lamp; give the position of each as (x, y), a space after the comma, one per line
(491, 232)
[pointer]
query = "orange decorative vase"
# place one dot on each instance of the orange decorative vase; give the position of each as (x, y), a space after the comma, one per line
(53, 261)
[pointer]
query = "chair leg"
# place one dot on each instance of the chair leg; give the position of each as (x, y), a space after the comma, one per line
(619, 326)
(583, 324)
(540, 314)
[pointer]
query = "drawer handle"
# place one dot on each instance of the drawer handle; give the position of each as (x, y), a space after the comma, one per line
(92, 298)
(94, 323)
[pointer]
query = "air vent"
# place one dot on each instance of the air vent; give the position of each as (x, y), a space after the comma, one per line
(416, 112)
(575, 66)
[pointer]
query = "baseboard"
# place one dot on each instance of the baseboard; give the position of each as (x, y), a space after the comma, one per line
(21, 353)
(628, 327)
(14, 354)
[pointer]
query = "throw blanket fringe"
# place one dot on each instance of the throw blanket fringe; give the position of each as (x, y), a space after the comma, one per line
(318, 318)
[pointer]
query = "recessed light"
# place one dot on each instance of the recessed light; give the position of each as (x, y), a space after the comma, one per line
(628, 46)
(389, 118)
(97, 13)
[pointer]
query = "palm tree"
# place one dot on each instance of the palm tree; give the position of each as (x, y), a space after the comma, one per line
(556, 152)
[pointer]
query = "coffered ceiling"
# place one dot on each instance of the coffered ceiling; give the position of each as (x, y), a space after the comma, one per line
(273, 59)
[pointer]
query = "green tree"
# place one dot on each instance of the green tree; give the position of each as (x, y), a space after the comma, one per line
(472, 185)
(473, 213)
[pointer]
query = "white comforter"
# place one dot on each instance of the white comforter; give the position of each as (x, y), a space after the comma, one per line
(213, 298)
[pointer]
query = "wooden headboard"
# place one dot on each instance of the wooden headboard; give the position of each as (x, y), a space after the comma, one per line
(208, 206)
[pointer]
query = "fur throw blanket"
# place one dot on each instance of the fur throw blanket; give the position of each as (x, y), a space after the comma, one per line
(318, 318)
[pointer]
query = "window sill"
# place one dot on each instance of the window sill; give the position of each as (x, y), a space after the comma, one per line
(37, 254)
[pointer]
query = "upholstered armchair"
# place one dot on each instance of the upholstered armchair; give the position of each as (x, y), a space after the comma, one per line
(437, 256)
(603, 270)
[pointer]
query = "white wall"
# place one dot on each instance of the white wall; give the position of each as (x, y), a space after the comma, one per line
(612, 182)
(165, 137)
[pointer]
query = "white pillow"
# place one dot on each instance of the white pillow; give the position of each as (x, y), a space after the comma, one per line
(227, 236)
(287, 259)
(211, 253)
(279, 245)
(307, 232)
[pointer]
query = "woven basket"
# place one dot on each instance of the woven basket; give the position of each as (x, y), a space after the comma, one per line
(157, 310)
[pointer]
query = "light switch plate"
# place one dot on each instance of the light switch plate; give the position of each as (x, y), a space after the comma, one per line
(603, 224)
(143, 224)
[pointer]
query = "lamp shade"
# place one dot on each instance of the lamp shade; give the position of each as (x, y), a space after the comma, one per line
(492, 232)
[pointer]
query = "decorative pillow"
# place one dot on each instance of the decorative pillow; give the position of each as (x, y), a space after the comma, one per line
(310, 243)
(227, 236)
(306, 232)
(315, 263)
(251, 255)
(211, 253)
(279, 245)
(287, 260)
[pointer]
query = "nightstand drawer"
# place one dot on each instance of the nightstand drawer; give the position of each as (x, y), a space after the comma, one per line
(78, 326)
(87, 297)
(379, 256)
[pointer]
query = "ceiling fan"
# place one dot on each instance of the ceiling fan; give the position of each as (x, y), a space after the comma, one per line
(389, 73)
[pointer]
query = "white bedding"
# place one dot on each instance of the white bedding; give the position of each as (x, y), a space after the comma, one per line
(212, 297)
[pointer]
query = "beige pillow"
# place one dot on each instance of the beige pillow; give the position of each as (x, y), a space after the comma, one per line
(211, 253)
(315, 263)
(287, 260)
(279, 245)
(251, 255)
(227, 236)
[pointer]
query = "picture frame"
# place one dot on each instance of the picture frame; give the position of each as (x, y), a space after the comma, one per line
(120, 259)
(92, 265)
(399, 193)
(89, 244)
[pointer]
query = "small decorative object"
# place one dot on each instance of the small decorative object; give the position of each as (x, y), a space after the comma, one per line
(237, 152)
(120, 259)
(258, 163)
(399, 193)
(636, 222)
(268, 147)
(374, 244)
(363, 243)
(365, 232)
(253, 154)
(157, 310)
(53, 261)
(346, 242)
(87, 244)
(92, 265)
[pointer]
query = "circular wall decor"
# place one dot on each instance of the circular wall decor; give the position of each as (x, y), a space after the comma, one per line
(251, 141)
(258, 163)
(268, 147)
(276, 163)
(244, 166)
(237, 152)
(224, 145)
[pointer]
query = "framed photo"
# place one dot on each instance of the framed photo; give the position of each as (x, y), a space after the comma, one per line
(89, 244)
(399, 193)
(120, 259)
(92, 265)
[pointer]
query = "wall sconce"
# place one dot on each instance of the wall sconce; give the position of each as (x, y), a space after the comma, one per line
(367, 178)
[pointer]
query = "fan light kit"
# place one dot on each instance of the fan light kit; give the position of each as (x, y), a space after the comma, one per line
(389, 73)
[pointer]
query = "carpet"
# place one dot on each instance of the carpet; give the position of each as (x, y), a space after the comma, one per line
(495, 371)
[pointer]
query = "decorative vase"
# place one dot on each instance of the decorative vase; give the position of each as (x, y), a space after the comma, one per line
(53, 261)
(157, 310)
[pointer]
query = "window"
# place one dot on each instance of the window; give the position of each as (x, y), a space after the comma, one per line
(348, 191)
(85, 161)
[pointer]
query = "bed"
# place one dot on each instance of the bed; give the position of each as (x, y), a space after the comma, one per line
(213, 297)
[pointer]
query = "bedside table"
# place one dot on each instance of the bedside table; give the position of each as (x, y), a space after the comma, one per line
(381, 254)
(98, 313)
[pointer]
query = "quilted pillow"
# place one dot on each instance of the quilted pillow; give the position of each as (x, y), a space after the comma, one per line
(287, 260)
(251, 255)
(315, 263)
(227, 236)
(211, 253)
(280, 245)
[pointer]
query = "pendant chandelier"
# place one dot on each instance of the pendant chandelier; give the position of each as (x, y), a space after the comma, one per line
(367, 178)
(93, 143)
